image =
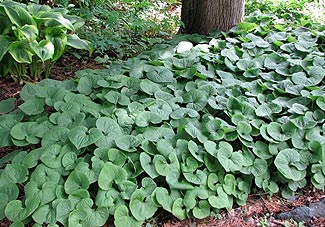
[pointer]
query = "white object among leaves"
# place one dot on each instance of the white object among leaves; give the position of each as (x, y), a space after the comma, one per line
(184, 46)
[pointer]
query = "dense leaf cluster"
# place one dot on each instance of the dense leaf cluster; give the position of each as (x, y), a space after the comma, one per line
(123, 29)
(33, 37)
(191, 127)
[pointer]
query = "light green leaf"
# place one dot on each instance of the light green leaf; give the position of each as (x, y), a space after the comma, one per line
(196, 99)
(111, 130)
(69, 160)
(147, 165)
(221, 200)
(117, 98)
(196, 151)
(95, 218)
(160, 75)
(321, 102)
(192, 196)
(56, 135)
(229, 184)
(244, 64)
(280, 132)
(213, 181)
(230, 161)
(59, 39)
(20, 52)
(111, 174)
(43, 174)
(247, 26)
(317, 150)
(16, 211)
(178, 209)
(314, 75)
(55, 18)
(164, 198)
(149, 87)
(258, 41)
(198, 177)
(122, 218)
(202, 210)
(81, 137)
(289, 164)
(75, 42)
(33, 106)
(141, 205)
(8, 192)
(304, 46)
(30, 32)
(44, 49)
(7, 105)
(172, 179)
(304, 122)
(211, 148)
(230, 54)
(18, 15)
(144, 118)
(76, 180)
(15, 173)
(107, 198)
(44, 214)
(261, 149)
(127, 143)
(163, 167)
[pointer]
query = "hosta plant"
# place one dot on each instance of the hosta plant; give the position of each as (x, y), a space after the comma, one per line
(33, 37)
(191, 127)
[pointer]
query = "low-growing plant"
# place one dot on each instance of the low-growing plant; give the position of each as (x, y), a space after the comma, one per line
(191, 127)
(121, 29)
(293, 10)
(33, 37)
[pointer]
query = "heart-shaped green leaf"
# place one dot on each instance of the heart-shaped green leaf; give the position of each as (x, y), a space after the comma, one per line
(202, 210)
(109, 174)
(8, 192)
(231, 161)
(178, 209)
(141, 205)
(122, 218)
(221, 200)
(16, 211)
(164, 198)
(147, 165)
(76, 180)
(290, 165)
(81, 137)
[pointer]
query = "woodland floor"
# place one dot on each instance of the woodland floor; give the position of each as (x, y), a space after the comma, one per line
(258, 211)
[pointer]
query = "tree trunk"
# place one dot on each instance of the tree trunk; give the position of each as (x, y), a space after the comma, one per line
(202, 16)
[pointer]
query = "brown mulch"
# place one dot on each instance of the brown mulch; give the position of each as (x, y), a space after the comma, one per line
(5, 223)
(258, 210)
(64, 69)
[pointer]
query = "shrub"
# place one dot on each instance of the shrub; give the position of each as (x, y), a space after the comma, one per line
(33, 37)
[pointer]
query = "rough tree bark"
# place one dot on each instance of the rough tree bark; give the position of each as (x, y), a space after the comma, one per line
(202, 16)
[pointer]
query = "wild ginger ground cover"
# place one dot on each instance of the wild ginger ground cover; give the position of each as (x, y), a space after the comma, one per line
(192, 127)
